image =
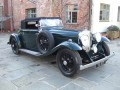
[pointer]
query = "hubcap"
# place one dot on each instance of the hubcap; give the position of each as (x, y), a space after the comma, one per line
(13, 45)
(65, 63)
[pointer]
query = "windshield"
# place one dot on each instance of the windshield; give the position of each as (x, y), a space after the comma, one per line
(50, 22)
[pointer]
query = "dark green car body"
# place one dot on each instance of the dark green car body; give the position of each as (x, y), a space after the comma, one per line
(27, 35)
(39, 37)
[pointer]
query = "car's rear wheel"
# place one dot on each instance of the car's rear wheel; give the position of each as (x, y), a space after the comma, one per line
(45, 41)
(68, 62)
(106, 49)
(15, 46)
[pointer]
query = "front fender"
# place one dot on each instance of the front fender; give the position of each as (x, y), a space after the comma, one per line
(105, 39)
(16, 36)
(69, 45)
(66, 44)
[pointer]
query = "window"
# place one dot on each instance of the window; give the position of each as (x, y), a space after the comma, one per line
(119, 13)
(71, 14)
(31, 13)
(31, 25)
(104, 12)
(33, 1)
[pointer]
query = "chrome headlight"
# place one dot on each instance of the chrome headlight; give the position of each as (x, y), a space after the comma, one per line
(97, 37)
(84, 36)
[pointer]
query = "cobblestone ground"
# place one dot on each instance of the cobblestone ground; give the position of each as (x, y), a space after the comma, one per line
(26, 72)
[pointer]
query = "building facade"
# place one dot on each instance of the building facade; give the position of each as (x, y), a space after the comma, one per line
(95, 15)
(74, 13)
(6, 19)
(104, 14)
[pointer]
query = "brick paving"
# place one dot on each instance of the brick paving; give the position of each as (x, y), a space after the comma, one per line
(26, 72)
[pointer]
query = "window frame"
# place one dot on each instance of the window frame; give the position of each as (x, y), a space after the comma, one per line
(31, 13)
(70, 12)
(1, 13)
(118, 17)
(31, 25)
(105, 9)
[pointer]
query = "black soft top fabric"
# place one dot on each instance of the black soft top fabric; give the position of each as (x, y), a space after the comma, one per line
(23, 22)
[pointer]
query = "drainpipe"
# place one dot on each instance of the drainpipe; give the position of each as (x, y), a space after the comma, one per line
(90, 14)
(2, 18)
(11, 20)
(51, 8)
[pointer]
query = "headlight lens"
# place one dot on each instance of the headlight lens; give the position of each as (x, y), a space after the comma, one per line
(84, 36)
(98, 37)
(85, 41)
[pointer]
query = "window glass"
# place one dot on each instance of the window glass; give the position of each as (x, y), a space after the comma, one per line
(71, 13)
(31, 13)
(31, 25)
(50, 22)
(104, 12)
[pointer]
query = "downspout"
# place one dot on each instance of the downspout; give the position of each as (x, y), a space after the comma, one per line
(2, 18)
(51, 8)
(12, 21)
(61, 11)
(90, 14)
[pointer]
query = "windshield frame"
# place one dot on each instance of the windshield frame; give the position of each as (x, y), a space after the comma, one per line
(47, 23)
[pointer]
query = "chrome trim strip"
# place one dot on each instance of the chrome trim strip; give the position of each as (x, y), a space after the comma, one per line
(30, 52)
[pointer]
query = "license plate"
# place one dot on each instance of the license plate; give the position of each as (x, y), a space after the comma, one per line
(100, 64)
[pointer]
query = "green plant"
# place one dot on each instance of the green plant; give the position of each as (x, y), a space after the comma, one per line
(113, 28)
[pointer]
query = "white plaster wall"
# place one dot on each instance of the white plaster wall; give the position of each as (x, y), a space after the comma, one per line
(96, 25)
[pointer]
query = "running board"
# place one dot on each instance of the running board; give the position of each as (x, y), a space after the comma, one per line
(30, 52)
(101, 61)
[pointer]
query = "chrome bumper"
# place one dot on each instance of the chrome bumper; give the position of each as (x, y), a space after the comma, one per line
(82, 67)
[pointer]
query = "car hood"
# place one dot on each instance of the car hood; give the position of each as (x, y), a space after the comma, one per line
(62, 31)
(61, 34)
(65, 34)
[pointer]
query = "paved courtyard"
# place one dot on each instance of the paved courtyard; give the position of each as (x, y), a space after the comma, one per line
(26, 72)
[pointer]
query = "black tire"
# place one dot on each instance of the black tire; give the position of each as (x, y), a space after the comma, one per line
(14, 46)
(106, 49)
(68, 62)
(45, 41)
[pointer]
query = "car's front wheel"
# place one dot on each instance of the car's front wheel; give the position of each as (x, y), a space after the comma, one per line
(68, 62)
(15, 46)
(106, 49)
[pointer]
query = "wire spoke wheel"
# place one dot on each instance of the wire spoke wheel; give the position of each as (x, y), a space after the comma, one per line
(68, 62)
(14, 46)
(44, 43)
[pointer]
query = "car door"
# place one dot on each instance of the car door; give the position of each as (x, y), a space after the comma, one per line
(29, 36)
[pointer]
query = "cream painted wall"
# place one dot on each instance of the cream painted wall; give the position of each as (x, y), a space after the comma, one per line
(96, 25)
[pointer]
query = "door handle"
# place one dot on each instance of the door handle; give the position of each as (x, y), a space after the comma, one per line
(36, 34)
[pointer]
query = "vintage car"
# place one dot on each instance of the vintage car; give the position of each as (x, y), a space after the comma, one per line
(74, 50)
